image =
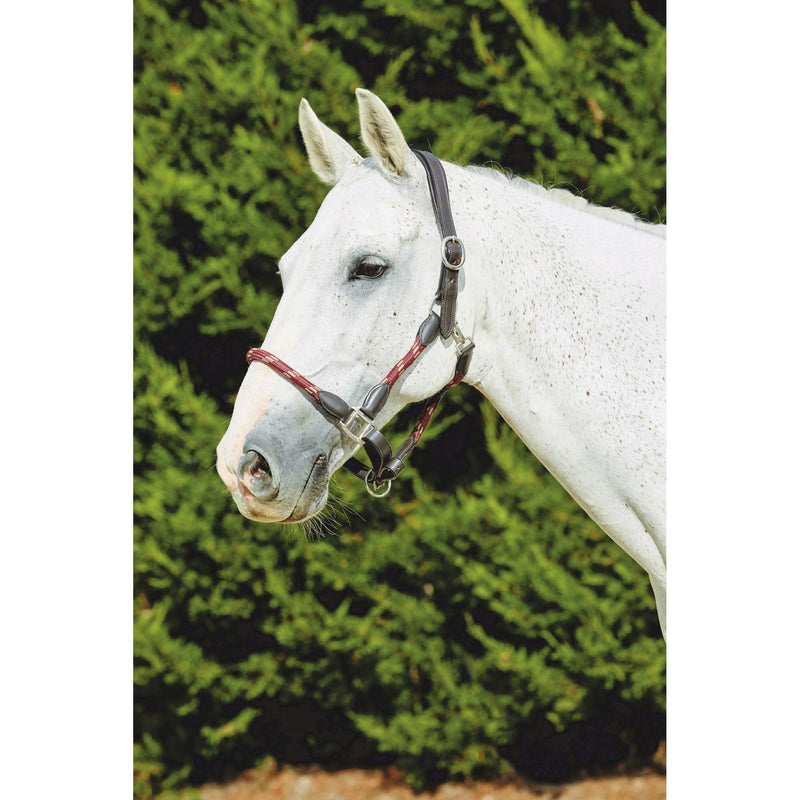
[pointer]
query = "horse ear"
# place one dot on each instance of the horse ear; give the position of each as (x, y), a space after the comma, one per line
(382, 134)
(328, 153)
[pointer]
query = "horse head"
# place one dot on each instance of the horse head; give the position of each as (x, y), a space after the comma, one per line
(356, 286)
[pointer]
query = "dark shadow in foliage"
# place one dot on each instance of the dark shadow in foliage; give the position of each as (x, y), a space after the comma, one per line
(617, 734)
(213, 358)
(300, 733)
(190, 10)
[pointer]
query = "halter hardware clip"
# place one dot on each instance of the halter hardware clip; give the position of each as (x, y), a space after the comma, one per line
(463, 343)
(356, 426)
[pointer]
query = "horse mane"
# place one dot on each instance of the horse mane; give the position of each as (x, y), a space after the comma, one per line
(571, 200)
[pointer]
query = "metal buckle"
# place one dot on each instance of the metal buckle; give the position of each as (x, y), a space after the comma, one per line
(446, 260)
(356, 425)
(462, 342)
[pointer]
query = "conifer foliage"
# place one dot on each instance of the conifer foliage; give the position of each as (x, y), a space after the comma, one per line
(476, 618)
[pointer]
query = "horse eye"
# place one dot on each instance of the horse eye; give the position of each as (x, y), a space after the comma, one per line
(369, 267)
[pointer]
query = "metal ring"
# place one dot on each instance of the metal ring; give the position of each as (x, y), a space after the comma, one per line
(445, 260)
(374, 492)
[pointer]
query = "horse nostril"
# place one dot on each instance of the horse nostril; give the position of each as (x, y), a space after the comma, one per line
(260, 468)
(256, 474)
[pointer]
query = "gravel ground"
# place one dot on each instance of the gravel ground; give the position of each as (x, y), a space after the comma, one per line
(352, 784)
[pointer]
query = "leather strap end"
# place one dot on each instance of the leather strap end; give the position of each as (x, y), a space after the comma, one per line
(448, 295)
(429, 329)
(375, 400)
(334, 404)
(358, 469)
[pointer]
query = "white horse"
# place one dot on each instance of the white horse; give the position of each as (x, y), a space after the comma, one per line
(564, 301)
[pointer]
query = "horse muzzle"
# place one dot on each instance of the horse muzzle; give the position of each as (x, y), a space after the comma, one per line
(267, 487)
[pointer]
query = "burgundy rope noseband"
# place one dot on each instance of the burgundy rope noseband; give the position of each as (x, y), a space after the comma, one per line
(356, 423)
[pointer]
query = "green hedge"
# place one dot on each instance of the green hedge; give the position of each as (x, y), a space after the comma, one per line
(474, 619)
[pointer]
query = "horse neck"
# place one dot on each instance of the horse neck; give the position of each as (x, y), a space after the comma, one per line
(568, 319)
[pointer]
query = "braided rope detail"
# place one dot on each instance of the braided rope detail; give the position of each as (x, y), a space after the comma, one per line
(427, 412)
(273, 362)
(404, 363)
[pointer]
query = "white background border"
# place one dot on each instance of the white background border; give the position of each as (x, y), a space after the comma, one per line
(67, 382)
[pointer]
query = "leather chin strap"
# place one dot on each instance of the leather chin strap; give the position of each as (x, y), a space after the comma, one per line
(357, 424)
